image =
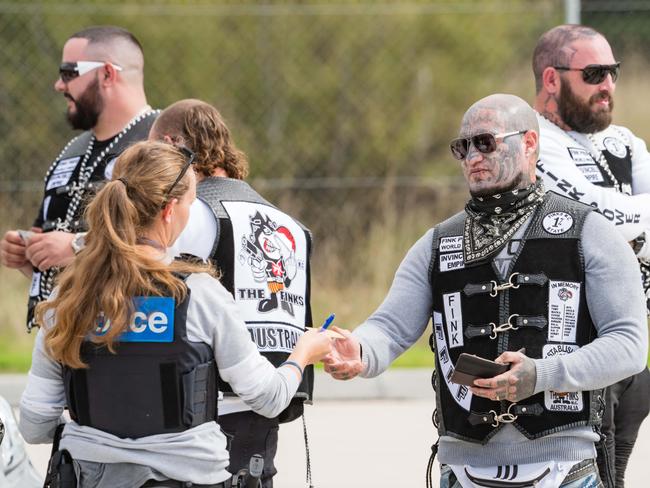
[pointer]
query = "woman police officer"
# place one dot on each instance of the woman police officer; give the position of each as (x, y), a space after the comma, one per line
(130, 342)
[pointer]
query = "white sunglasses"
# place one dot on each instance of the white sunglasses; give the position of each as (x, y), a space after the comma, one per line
(70, 71)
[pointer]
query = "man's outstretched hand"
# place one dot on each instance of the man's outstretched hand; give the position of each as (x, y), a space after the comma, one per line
(344, 362)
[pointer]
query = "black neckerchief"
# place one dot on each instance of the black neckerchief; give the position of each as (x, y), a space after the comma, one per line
(493, 220)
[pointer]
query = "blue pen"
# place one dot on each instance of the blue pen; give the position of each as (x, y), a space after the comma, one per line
(327, 323)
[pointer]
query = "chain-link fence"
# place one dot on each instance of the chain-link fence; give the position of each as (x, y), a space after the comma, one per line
(345, 110)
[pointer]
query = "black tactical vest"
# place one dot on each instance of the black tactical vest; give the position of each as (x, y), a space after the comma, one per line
(257, 249)
(540, 306)
(157, 382)
(61, 183)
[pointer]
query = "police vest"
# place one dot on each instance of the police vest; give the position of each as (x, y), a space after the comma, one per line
(263, 255)
(157, 382)
(541, 306)
(62, 182)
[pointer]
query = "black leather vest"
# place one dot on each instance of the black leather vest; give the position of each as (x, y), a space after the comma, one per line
(540, 306)
(618, 155)
(263, 255)
(60, 184)
(157, 382)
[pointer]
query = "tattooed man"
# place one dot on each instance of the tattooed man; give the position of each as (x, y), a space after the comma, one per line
(518, 277)
(585, 157)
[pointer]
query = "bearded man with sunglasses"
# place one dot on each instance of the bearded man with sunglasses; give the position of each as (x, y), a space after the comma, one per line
(516, 278)
(101, 77)
(587, 158)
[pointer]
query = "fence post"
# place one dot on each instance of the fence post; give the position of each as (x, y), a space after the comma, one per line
(572, 11)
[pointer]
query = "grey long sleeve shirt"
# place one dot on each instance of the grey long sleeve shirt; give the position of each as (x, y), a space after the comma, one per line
(198, 454)
(617, 305)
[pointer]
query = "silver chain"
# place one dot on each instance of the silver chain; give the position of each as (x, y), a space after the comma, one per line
(79, 189)
(601, 160)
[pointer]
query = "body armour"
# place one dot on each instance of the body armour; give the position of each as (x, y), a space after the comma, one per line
(157, 381)
(74, 175)
(263, 255)
(540, 306)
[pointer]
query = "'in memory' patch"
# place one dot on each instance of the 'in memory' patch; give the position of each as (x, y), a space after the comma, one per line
(557, 222)
(563, 304)
(562, 402)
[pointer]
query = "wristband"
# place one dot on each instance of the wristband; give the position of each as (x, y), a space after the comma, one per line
(295, 365)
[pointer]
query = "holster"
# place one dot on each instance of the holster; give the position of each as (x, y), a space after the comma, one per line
(60, 471)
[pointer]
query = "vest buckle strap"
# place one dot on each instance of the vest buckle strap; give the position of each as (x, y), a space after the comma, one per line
(539, 279)
(515, 280)
(515, 321)
(492, 417)
(509, 325)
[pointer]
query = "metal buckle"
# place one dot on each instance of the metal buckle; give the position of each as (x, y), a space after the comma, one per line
(496, 288)
(504, 418)
(503, 327)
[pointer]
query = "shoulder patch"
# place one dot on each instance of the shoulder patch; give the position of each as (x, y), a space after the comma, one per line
(557, 222)
(615, 147)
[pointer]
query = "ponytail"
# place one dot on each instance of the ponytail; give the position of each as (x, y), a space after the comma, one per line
(112, 269)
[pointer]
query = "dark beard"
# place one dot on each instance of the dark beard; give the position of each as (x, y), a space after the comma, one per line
(88, 107)
(578, 115)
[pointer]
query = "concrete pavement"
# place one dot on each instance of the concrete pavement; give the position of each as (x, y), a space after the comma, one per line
(364, 433)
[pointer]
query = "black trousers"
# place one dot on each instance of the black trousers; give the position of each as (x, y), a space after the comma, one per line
(250, 433)
(627, 403)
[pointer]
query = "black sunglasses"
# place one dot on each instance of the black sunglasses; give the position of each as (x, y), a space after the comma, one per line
(190, 156)
(484, 143)
(70, 71)
(595, 74)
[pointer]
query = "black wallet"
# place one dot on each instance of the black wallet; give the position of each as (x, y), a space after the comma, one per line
(470, 367)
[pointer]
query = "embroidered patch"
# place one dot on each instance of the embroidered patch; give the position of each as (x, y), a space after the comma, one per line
(454, 317)
(448, 244)
(35, 285)
(557, 222)
(615, 147)
(556, 401)
(108, 171)
(591, 172)
(563, 304)
(46, 206)
(462, 395)
(62, 172)
(580, 155)
(451, 261)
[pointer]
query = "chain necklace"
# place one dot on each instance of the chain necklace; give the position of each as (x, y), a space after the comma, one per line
(78, 190)
(601, 160)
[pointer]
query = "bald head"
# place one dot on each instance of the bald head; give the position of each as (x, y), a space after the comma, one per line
(117, 45)
(554, 48)
(505, 128)
(499, 113)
